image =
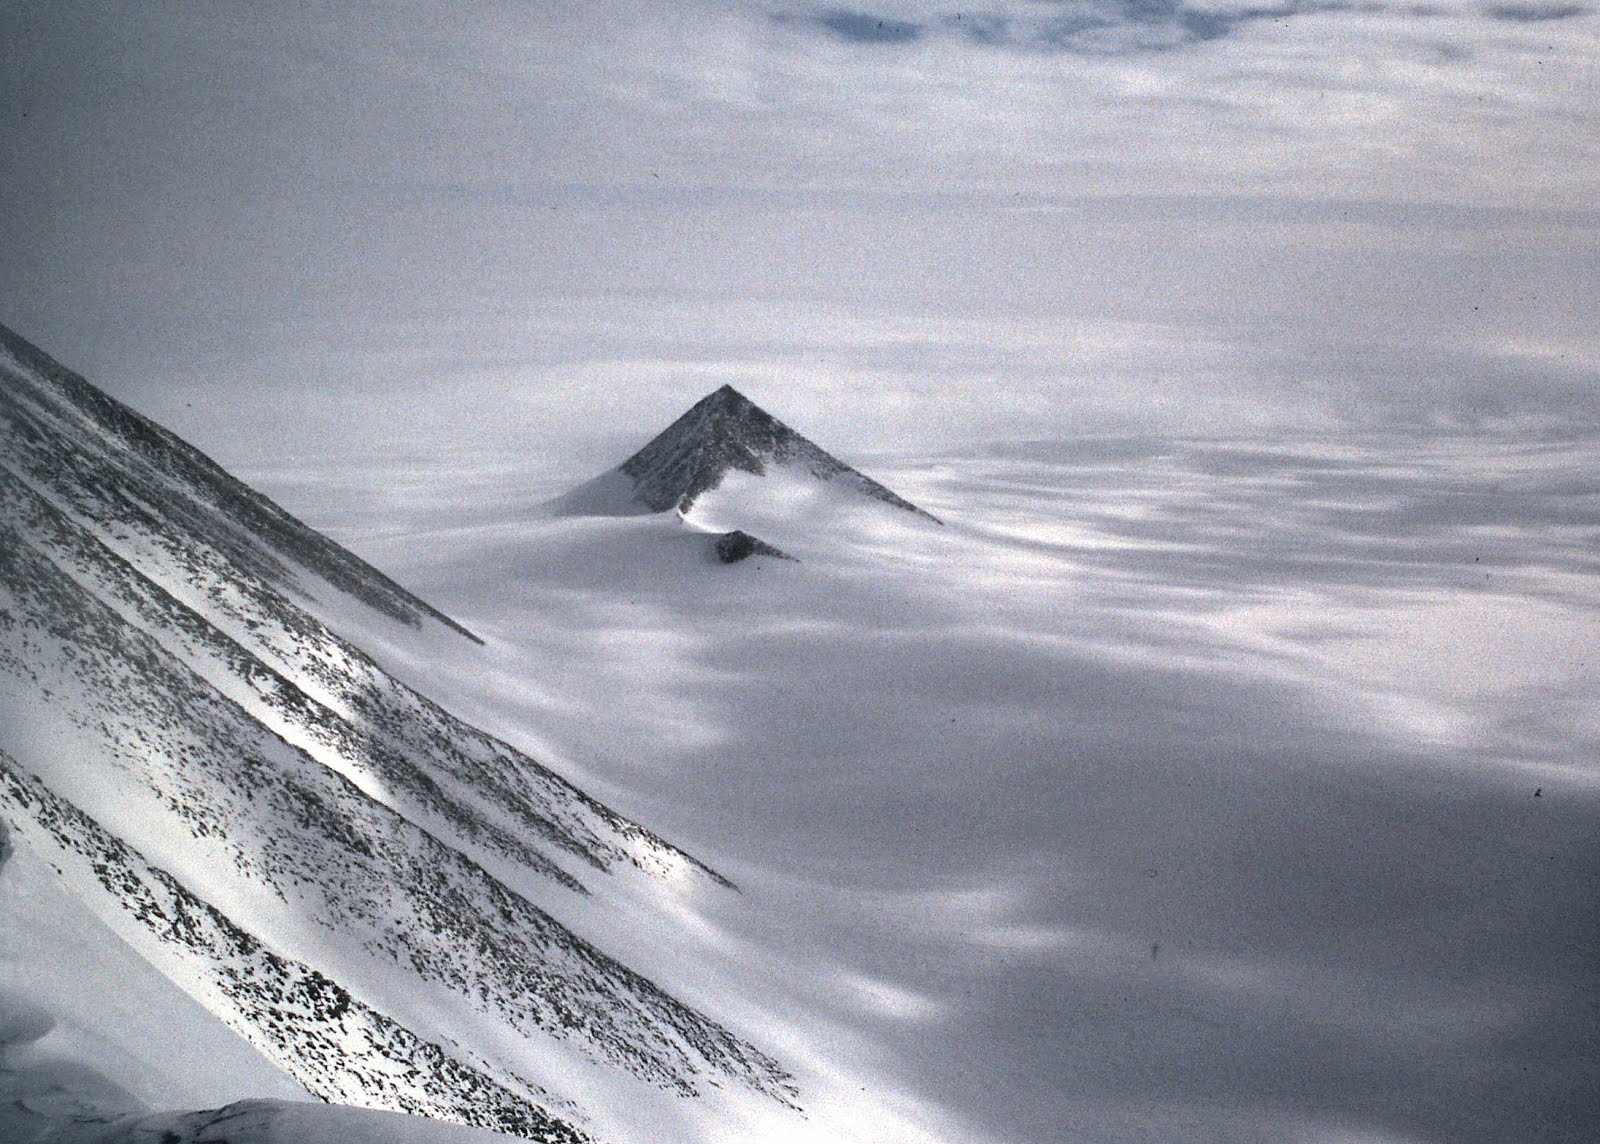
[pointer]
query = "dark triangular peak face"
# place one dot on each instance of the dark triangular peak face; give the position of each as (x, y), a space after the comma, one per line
(726, 431)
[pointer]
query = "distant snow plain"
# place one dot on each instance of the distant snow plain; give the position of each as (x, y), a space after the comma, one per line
(1173, 790)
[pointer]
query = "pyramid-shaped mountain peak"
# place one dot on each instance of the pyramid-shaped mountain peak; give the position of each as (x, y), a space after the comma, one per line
(725, 432)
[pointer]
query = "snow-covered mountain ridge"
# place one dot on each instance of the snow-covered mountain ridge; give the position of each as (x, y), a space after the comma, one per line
(369, 889)
(253, 531)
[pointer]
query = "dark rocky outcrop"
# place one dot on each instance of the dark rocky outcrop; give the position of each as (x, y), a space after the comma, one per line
(738, 545)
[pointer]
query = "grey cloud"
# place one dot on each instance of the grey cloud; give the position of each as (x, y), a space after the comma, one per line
(864, 28)
(984, 28)
(1090, 27)
(1111, 27)
(1187, 22)
(1535, 13)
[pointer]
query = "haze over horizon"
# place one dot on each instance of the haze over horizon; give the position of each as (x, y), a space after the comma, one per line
(552, 228)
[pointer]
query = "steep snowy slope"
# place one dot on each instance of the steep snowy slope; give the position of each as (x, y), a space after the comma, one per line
(728, 466)
(365, 886)
(247, 528)
(85, 1022)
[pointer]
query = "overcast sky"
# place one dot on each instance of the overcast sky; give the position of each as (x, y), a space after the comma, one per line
(557, 224)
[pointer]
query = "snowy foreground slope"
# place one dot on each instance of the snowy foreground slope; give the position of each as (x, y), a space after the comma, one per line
(366, 888)
(78, 1008)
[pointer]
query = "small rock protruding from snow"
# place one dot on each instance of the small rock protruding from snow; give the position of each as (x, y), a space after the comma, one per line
(738, 545)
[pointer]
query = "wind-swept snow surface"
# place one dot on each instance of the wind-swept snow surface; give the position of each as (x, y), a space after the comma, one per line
(1183, 791)
(365, 887)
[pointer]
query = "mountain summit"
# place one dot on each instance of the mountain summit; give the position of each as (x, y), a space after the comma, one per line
(722, 433)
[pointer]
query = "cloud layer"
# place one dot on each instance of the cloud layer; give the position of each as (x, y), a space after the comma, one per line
(1138, 208)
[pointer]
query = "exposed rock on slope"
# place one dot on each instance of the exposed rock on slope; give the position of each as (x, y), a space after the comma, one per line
(253, 533)
(738, 545)
(368, 888)
(338, 1047)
